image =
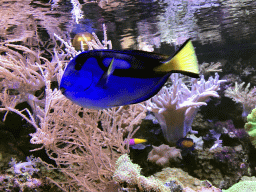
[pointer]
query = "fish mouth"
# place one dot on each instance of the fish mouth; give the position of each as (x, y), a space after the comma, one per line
(63, 90)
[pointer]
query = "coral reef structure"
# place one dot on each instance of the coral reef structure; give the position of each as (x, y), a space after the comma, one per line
(129, 173)
(221, 166)
(169, 179)
(186, 182)
(245, 186)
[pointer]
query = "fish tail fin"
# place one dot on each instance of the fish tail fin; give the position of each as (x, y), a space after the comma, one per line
(184, 61)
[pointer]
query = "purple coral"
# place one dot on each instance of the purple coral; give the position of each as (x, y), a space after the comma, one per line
(230, 129)
(29, 166)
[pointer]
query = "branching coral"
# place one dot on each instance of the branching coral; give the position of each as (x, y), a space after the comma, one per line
(176, 107)
(242, 95)
(84, 143)
(206, 68)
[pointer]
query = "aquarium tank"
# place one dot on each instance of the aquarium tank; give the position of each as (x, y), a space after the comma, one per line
(128, 95)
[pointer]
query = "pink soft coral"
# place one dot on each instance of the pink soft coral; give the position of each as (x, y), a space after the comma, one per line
(163, 154)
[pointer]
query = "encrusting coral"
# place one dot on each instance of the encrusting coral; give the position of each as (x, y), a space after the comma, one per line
(186, 182)
(129, 173)
(245, 184)
(175, 107)
(163, 154)
(250, 126)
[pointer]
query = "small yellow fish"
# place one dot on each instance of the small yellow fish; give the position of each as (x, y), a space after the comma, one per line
(79, 41)
(135, 141)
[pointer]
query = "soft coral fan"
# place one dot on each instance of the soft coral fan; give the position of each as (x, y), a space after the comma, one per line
(24, 75)
(83, 143)
(176, 107)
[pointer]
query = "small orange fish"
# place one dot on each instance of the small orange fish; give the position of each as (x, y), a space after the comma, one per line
(186, 143)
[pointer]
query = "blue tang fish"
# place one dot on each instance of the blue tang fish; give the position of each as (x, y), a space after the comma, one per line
(99, 79)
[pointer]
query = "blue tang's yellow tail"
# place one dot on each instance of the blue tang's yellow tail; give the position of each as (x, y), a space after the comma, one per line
(184, 61)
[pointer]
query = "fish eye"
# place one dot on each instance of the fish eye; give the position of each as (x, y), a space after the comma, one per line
(78, 66)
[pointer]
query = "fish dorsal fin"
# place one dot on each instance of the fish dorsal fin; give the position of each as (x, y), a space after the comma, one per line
(105, 77)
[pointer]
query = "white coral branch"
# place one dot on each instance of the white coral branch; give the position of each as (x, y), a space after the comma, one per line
(246, 96)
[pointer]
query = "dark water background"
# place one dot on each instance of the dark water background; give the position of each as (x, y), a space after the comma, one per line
(223, 29)
(218, 28)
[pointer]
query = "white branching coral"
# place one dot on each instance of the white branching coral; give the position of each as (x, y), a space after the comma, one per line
(176, 107)
(206, 68)
(76, 11)
(246, 96)
(23, 76)
(96, 44)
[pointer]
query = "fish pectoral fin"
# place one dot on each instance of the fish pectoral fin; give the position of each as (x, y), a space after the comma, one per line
(105, 77)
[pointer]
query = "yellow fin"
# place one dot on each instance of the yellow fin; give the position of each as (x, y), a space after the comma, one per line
(184, 61)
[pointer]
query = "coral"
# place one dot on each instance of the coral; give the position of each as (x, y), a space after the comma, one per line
(250, 126)
(96, 44)
(207, 68)
(242, 186)
(217, 142)
(76, 12)
(246, 178)
(126, 171)
(197, 140)
(28, 166)
(184, 180)
(21, 175)
(221, 166)
(163, 154)
(84, 144)
(175, 107)
(227, 127)
(245, 96)
(129, 173)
